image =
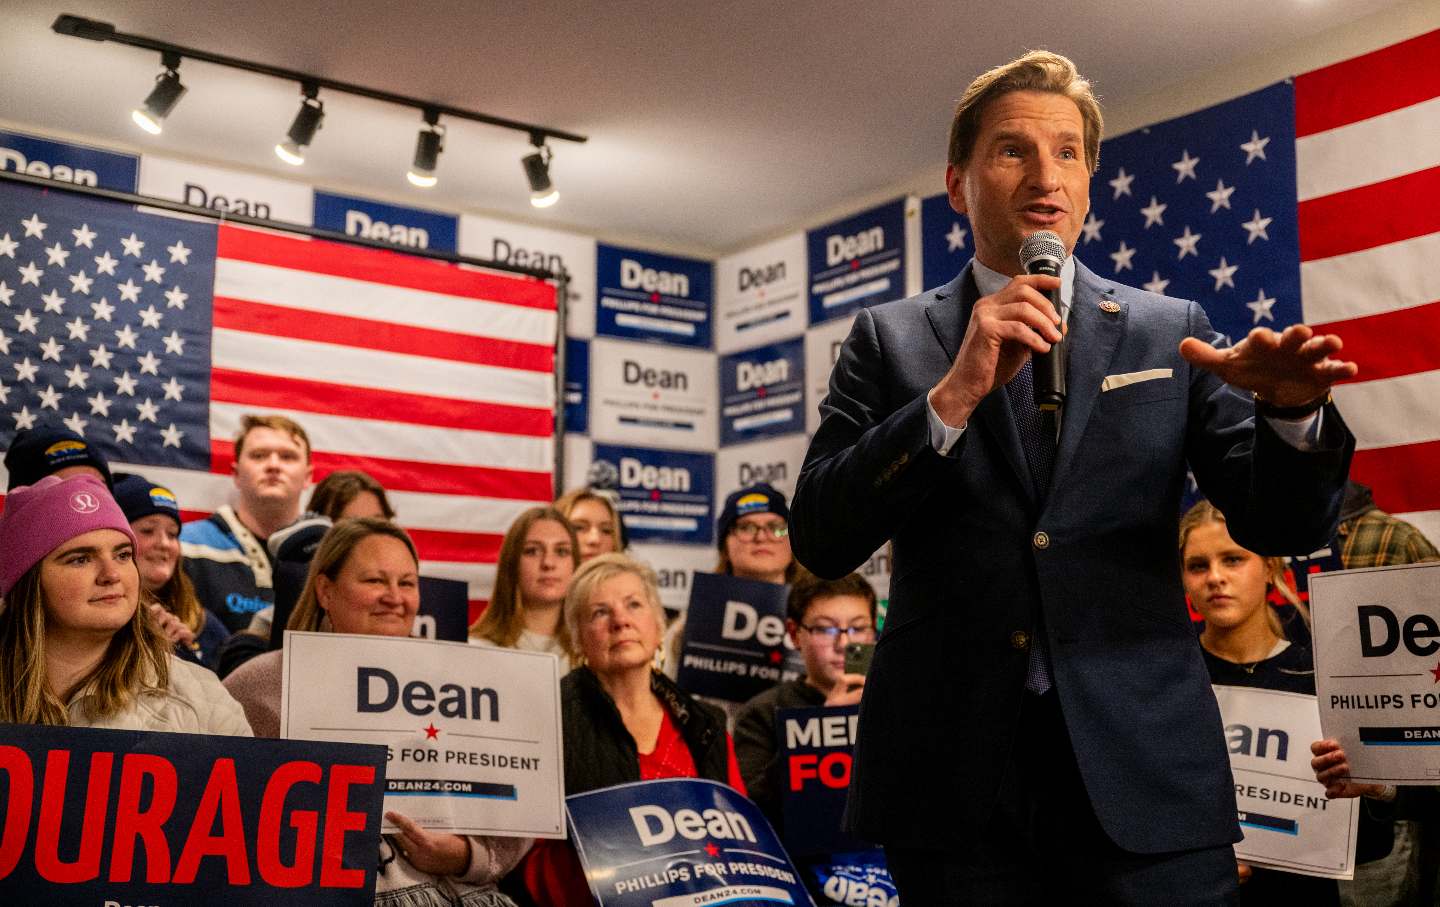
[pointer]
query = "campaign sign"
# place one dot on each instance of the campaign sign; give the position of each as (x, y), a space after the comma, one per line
(945, 241)
(680, 842)
(472, 734)
(68, 163)
(822, 351)
(137, 817)
(815, 747)
(1377, 669)
(577, 386)
(652, 395)
(762, 392)
(226, 191)
(665, 495)
(537, 247)
(735, 644)
(775, 461)
(649, 296)
(674, 566)
(857, 262)
(760, 294)
(444, 610)
(1287, 822)
(408, 228)
(853, 878)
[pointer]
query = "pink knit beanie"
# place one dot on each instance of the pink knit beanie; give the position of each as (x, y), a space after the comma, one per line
(40, 518)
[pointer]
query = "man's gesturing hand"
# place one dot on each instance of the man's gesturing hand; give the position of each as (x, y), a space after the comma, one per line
(1289, 369)
(1004, 330)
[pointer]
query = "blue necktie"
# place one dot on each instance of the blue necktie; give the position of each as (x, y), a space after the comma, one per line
(1037, 437)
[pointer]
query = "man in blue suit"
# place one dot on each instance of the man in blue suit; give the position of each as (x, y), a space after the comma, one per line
(1038, 724)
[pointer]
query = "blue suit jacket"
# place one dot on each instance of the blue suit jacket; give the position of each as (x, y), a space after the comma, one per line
(971, 566)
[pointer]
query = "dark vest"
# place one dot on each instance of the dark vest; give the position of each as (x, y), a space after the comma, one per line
(599, 751)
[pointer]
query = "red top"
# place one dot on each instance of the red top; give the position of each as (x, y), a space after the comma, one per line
(551, 869)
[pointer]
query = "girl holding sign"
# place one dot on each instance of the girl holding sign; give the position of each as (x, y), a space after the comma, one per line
(364, 579)
(76, 648)
(1244, 645)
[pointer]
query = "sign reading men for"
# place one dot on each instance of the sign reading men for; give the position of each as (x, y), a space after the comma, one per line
(735, 642)
(90, 816)
(680, 843)
(1287, 821)
(472, 734)
(1377, 669)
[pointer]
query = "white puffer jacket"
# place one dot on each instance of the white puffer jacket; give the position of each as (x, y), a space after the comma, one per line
(195, 703)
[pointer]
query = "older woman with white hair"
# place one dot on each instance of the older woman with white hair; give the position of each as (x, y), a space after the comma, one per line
(622, 720)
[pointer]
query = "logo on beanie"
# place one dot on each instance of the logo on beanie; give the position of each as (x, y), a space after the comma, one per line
(163, 498)
(752, 503)
(66, 451)
(84, 502)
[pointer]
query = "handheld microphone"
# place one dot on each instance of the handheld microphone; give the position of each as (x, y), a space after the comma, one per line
(1044, 253)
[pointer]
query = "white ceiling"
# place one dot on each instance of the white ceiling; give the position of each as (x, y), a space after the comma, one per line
(711, 124)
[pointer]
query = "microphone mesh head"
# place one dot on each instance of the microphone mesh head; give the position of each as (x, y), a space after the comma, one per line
(1040, 245)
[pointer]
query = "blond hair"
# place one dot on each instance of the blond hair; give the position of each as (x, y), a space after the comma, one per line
(504, 618)
(1038, 70)
(601, 569)
(334, 551)
(136, 662)
(249, 422)
(1205, 512)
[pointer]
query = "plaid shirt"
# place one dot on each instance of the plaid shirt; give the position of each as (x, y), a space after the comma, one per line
(1377, 539)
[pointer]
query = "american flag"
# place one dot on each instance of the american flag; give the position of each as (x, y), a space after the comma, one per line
(1311, 200)
(151, 335)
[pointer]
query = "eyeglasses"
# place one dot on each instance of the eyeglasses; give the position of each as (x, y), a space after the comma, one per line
(853, 634)
(750, 532)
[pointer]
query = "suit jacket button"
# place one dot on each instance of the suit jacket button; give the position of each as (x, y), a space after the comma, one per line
(1041, 540)
(1020, 640)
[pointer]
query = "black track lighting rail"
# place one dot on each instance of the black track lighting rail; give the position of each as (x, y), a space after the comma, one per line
(93, 30)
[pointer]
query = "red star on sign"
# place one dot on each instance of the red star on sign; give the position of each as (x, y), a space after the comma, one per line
(760, 391)
(654, 297)
(1436, 672)
(655, 495)
(855, 264)
(775, 657)
(432, 732)
(711, 849)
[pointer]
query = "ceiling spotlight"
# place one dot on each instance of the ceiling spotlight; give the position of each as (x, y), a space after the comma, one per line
(543, 193)
(428, 145)
(302, 130)
(162, 98)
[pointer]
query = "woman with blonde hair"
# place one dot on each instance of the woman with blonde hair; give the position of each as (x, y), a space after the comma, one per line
(76, 648)
(622, 720)
(537, 558)
(1244, 645)
(364, 579)
(596, 522)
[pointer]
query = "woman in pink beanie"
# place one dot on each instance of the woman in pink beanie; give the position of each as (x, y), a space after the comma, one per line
(75, 647)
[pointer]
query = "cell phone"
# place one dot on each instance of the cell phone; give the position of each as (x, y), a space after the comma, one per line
(858, 656)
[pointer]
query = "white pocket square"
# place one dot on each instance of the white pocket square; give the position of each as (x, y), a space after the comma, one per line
(1112, 382)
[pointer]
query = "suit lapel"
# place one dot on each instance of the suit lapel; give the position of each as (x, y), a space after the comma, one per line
(949, 313)
(1094, 335)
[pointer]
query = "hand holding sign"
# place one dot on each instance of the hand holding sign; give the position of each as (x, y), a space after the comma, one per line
(1332, 769)
(437, 854)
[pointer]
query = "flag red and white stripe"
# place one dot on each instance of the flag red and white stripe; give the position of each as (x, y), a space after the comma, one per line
(1368, 176)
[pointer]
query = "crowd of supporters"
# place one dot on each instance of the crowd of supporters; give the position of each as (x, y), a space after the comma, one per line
(117, 614)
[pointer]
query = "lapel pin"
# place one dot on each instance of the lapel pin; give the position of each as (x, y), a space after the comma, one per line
(1110, 306)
